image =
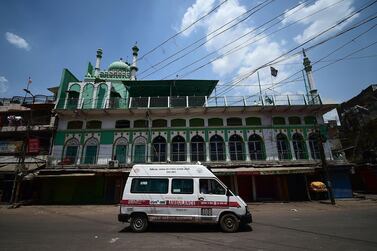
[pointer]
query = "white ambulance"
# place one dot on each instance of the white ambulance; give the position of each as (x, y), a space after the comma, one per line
(179, 193)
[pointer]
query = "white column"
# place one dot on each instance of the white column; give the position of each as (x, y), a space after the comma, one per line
(208, 157)
(308, 150)
(149, 152)
(227, 155)
(270, 144)
(129, 153)
(168, 152)
(247, 155)
(188, 152)
(292, 149)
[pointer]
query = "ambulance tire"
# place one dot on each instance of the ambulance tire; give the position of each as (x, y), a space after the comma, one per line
(139, 223)
(229, 223)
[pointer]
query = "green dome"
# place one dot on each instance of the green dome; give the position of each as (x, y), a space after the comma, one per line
(118, 66)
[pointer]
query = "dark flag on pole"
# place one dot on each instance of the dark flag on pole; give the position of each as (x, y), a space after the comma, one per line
(274, 72)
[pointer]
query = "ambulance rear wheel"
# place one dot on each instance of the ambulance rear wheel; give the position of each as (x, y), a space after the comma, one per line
(139, 223)
(229, 223)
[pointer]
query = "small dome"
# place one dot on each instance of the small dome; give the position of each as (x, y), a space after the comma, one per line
(119, 66)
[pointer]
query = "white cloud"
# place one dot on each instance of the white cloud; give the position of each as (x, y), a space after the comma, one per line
(3, 84)
(249, 57)
(194, 12)
(17, 41)
(321, 20)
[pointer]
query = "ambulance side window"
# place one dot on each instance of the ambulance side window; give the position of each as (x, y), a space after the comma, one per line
(210, 186)
(182, 186)
(140, 185)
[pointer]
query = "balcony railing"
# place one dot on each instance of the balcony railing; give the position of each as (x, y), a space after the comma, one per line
(187, 101)
(37, 99)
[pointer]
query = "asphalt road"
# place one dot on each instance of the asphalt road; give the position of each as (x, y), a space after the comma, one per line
(350, 225)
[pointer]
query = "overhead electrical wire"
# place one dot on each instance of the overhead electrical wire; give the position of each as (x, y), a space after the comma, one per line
(301, 5)
(213, 34)
(245, 44)
(248, 74)
(181, 31)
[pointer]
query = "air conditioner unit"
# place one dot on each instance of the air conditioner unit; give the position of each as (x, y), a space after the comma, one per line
(113, 164)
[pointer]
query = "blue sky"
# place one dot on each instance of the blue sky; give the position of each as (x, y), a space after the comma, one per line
(40, 38)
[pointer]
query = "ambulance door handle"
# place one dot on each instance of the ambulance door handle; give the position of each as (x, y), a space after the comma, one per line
(201, 198)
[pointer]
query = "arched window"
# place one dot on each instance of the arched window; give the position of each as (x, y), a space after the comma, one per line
(215, 122)
(234, 121)
(256, 147)
(236, 147)
(196, 122)
(178, 123)
(101, 96)
(178, 152)
(90, 151)
(122, 124)
(73, 96)
(314, 146)
(70, 152)
(159, 123)
(253, 121)
(282, 142)
(139, 153)
(158, 149)
(94, 124)
(141, 123)
(294, 120)
(74, 125)
(310, 120)
(299, 146)
(120, 150)
(217, 148)
(198, 149)
(87, 96)
(278, 121)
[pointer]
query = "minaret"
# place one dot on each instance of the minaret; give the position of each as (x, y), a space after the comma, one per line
(98, 62)
(134, 69)
(308, 69)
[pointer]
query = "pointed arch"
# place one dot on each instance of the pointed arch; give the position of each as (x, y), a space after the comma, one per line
(198, 149)
(101, 96)
(314, 146)
(178, 152)
(90, 151)
(299, 147)
(284, 149)
(87, 96)
(158, 149)
(139, 150)
(120, 150)
(256, 147)
(70, 152)
(236, 147)
(217, 148)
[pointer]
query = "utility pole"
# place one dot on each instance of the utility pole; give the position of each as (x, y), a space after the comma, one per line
(324, 165)
(20, 168)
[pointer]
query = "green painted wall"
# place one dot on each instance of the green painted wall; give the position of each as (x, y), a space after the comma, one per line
(66, 78)
(107, 137)
(87, 96)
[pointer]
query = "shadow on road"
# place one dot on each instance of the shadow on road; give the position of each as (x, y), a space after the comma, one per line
(184, 228)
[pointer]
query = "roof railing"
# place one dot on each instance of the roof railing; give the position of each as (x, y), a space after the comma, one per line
(187, 102)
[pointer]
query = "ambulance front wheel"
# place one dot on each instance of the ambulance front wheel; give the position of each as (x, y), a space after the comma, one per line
(139, 223)
(229, 223)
